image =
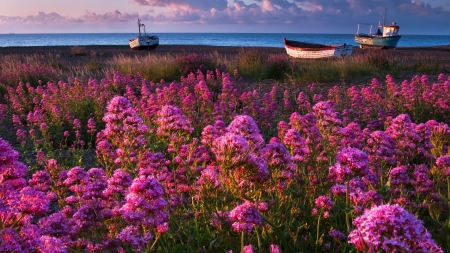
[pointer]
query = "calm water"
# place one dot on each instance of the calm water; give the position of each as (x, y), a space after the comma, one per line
(211, 39)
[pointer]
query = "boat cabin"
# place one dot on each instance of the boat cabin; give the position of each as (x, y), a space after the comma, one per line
(390, 30)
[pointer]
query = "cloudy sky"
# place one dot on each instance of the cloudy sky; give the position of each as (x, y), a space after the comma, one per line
(265, 16)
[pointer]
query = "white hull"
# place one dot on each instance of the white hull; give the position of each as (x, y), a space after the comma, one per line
(316, 53)
(144, 42)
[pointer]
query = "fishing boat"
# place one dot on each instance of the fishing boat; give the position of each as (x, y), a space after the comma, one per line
(144, 41)
(307, 50)
(386, 36)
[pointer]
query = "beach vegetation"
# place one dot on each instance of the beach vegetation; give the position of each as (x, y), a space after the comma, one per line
(78, 51)
(149, 155)
(94, 64)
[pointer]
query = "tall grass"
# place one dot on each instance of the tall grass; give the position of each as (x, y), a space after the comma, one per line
(251, 64)
(153, 68)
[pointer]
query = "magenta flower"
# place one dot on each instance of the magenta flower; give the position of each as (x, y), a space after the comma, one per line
(381, 150)
(296, 145)
(326, 116)
(399, 179)
(132, 236)
(406, 137)
(40, 181)
(443, 163)
(337, 235)
(33, 201)
(303, 103)
(10, 241)
(118, 183)
(324, 203)
(245, 217)
(390, 228)
(221, 220)
(55, 224)
(170, 121)
(145, 204)
(246, 127)
(350, 163)
(12, 172)
(248, 249)
(230, 149)
(51, 245)
(274, 248)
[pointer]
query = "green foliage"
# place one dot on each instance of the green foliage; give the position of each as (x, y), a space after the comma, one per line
(379, 59)
(277, 66)
(251, 64)
(94, 65)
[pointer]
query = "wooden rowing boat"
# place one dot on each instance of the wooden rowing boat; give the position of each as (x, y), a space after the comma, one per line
(299, 49)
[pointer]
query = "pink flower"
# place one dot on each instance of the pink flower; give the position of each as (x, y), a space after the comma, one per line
(351, 162)
(171, 120)
(324, 203)
(443, 163)
(51, 245)
(246, 127)
(274, 248)
(245, 217)
(33, 201)
(163, 228)
(145, 204)
(390, 228)
(248, 249)
(230, 149)
(337, 235)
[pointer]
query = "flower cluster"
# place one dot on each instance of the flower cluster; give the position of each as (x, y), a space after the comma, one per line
(390, 228)
(245, 216)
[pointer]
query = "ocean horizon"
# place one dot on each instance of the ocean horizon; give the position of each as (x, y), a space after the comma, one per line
(207, 39)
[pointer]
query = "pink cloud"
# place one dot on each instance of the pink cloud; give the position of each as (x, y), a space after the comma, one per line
(193, 4)
(115, 16)
(316, 15)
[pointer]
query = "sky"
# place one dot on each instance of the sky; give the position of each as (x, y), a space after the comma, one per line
(425, 17)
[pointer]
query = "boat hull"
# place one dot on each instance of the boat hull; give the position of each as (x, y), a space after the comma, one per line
(377, 41)
(296, 50)
(144, 43)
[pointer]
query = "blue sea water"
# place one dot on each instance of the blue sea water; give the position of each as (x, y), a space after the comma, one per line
(210, 39)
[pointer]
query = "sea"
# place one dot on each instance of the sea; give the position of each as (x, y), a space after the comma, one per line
(209, 39)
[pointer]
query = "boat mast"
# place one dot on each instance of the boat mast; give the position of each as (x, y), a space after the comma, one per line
(139, 25)
(385, 10)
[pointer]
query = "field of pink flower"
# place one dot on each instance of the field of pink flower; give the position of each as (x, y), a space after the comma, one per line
(123, 164)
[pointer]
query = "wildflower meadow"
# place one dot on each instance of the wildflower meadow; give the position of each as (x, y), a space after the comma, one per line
(204, 164)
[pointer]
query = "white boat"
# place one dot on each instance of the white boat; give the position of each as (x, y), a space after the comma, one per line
(388, 37)
(144, 41)
(298, 49)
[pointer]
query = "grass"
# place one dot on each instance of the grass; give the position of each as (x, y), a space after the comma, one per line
(252, 65)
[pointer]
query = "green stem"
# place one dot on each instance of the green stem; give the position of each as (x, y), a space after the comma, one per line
(154, 243)
(317, 233)
(448, 194)
(242, 242)
(347, 206)
(279, 234)
(259, 240)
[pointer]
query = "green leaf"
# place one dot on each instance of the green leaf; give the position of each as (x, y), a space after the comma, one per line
(214, 242)
(446, 227)
(383, 190)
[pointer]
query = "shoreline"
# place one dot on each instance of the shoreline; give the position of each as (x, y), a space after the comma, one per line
(181, 47)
